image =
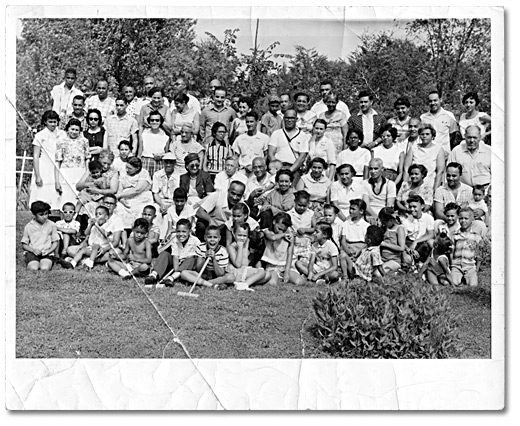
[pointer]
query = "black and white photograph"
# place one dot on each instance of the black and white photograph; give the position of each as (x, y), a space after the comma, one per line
(254, 208)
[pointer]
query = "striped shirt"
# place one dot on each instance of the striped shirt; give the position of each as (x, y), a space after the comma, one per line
(216, 154)
(221, 256)
(466, 248)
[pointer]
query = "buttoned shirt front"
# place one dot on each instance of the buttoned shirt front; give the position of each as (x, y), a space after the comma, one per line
(476, 165)
(62, 99)
(119, 129)
(444, 195)
(370, 124)
(210, 115)
(107, 107)
(163, 184)
(40, 236)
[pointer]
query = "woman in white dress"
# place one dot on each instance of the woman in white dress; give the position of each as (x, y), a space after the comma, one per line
(153, 142)
(355, 155)
(323, 147)
(44, 153)
(391, 154)
(72, 153)
(472, 116)
(183, 114)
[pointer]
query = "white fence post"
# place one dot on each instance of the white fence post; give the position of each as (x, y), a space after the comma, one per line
(22, 171)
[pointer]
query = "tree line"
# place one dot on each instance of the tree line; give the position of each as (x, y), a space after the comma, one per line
(450, 55)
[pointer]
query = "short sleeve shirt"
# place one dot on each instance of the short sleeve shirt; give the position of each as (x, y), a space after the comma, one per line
(38, 236)
(378, 201)
(250, 147)
(187, 250)
(417, 228)
(355, 232)
(367, 261)
(280, 140)
(444, 123)
(444, 195)
(216, 205)
(221, 256)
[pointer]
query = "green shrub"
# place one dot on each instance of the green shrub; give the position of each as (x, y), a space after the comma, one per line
(406, 318)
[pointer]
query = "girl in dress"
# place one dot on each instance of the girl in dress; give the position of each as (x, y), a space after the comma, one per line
(44, 152)
(72, 153)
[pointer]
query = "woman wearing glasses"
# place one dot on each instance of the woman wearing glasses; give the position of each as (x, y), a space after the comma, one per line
(153, 142)
(95, 133)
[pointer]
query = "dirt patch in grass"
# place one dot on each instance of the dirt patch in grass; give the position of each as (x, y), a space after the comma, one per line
(78, 314)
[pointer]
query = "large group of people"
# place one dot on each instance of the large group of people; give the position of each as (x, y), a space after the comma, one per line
(165, 185)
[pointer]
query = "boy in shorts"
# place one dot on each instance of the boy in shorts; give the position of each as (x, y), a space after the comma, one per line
(68, 230)
(40, 238)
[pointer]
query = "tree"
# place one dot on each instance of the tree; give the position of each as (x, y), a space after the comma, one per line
(390, 67)
(460, 52)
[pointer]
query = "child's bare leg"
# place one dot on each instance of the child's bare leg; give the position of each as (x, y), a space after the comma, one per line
(45, 265)
(228, 278)
(296, 278)
(79, 255)
(273, 277)
(191, 276)
(432, 278)
(257, 277)
(34, 265)
(66, 242)
(115, 265)
(302, 267)
(332, 276)
(343, 262)
(94, 252)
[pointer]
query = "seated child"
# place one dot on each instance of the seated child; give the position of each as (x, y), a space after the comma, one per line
(478, 205)
(369, 264)
(278, 253)
(303, 221)
(323, 264)
(451, 225)
(149, 214)
(180, 209)
(393, 247)
(437, 265)
(353, 234)
(465, 261)
(215, 273)
(96, 243)
(68, 230)
(137, 253)
(95, 179)
(330, 215)
(240, 214)
(179, 256)
(243, 275)
(419, 230)
(40, 238)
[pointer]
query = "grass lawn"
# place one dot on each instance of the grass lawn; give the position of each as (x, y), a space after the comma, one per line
(79, 314)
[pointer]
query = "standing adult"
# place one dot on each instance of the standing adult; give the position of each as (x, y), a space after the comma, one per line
(323, 147)
(429, 155)
(44, 153)
(153, 143)
(78, 112)
(305, 117)
(453, 191)
(285, 103)
(63, 94)
(182, 114)
(391, 154)
(156, 104)
(289, 145)
(101, 101)
(250, 144)
(327, 87)
(355, 155)
(472, 116)
(133, 108)
(121, 126)
(413, 135)
(217, 150)
(149, 84)
(208, 100)
(95, 134)
(216, 111)
(273, 119)
(72, 153)
(402, 118)
(336, 121)
(443, 122)
(474, 156)
(367, 120)
(180, 87)
(187, 145)
(381, 191)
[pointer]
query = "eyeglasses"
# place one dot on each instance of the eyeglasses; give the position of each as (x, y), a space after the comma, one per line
(194, 165)
(68, 211)
(153, 120)
(93, 119)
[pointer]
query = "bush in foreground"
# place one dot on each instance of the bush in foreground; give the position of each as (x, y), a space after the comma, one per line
(400, 317)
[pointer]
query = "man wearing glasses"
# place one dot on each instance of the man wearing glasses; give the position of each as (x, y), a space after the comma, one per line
(289, 145)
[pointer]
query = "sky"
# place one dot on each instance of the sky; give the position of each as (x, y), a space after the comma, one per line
(334, 38)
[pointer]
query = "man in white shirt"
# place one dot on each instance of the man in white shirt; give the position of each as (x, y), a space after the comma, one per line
(442, 120)
(229, 174)
(289, 145)
(326, 87)
(63, 94)
(250, 144)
